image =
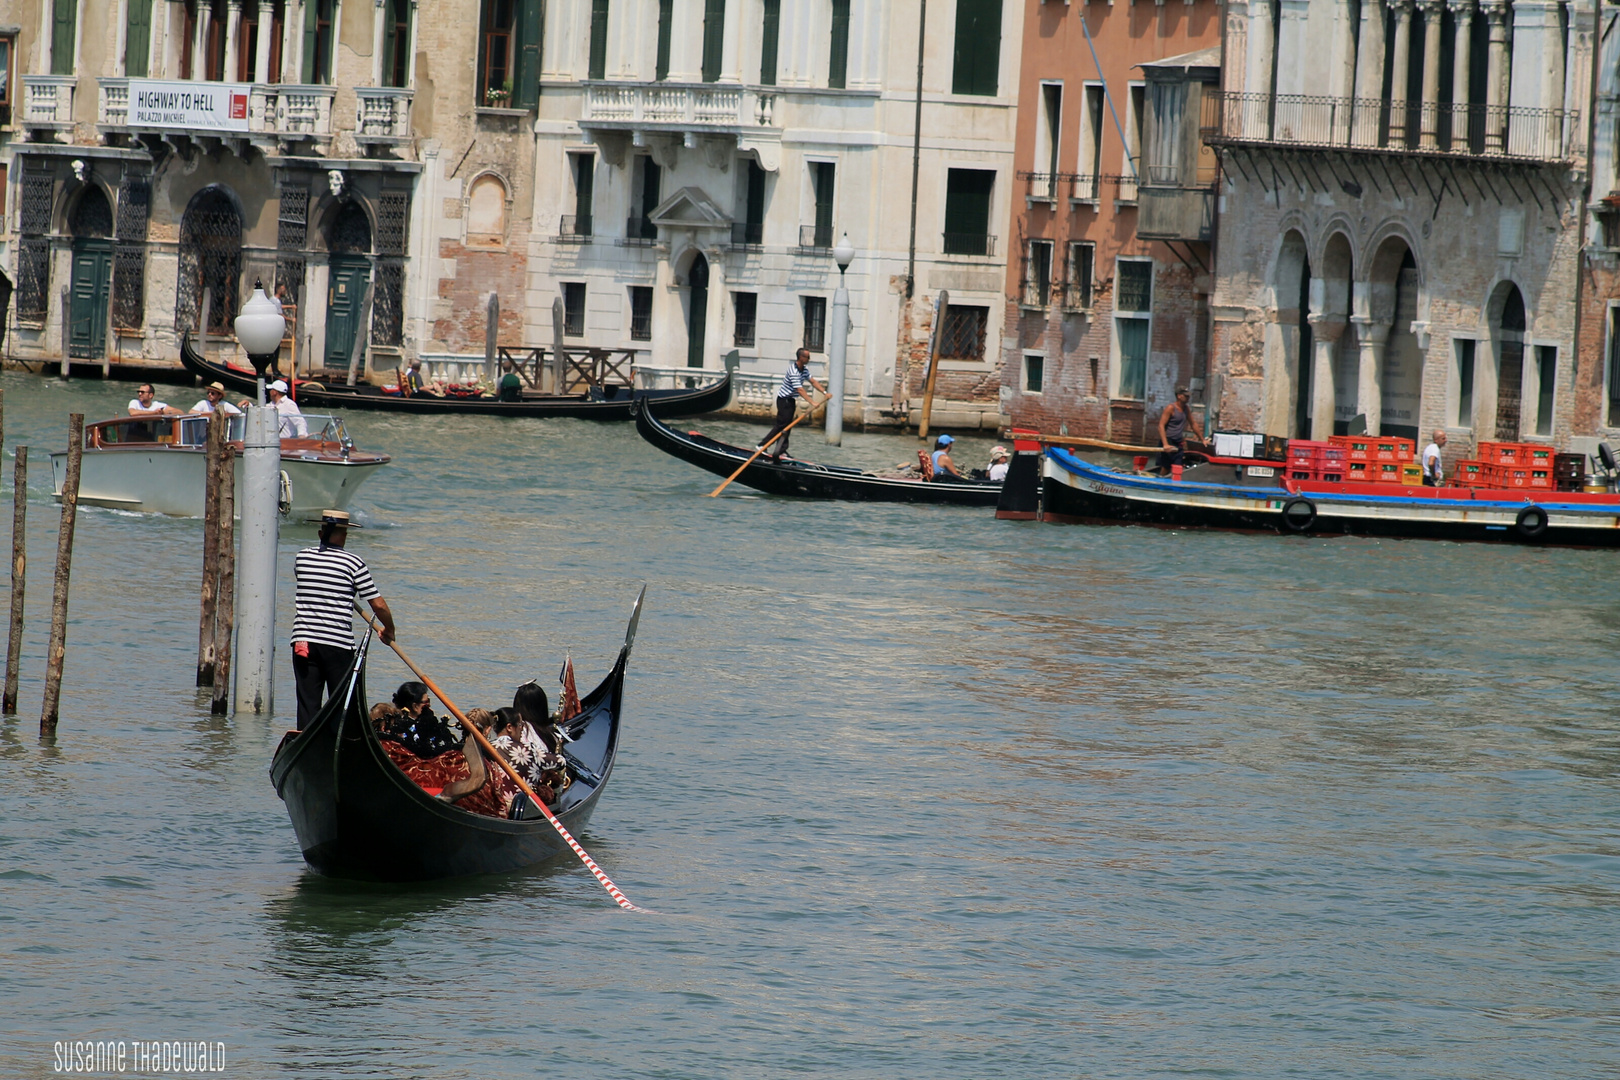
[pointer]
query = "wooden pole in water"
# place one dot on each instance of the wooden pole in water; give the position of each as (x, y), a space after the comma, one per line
(19, 575)
(64, 570)
(935, 341)
(362, 334)
(210, 582)
(225, 600)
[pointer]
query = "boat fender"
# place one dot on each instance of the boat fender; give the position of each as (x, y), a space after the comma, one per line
(1531, 522)
(284, 493)
(1298, 514)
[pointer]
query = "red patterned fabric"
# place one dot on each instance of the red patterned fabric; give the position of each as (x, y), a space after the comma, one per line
(568, 707)
(925, 464)
(435, 774)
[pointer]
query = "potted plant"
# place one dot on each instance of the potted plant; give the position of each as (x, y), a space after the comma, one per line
(498, 96)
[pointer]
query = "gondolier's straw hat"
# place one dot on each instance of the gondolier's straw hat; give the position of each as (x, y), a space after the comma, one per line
(339, 518)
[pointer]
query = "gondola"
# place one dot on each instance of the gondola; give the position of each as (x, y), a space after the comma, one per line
(806, 479)
(610, 403)
(357, 816)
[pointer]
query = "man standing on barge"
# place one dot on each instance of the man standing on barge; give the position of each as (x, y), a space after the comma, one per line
(1432, 469)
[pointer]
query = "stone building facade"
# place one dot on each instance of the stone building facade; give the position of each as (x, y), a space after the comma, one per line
(1597, 381)
(1109, 273)
(1402, 203)
(698, 160)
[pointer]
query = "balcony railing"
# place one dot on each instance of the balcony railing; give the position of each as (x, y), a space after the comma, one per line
(816, 237)
(639, 231)
(748, 234)
(665, 105)
(280, 110)
(1085, 187)
(1043, 186)
(969, 243)
(48, 101)
(1037, 293)
(382, 115)
(1438, 128)
(574, 229)
(1125, 188)
(1074, 296)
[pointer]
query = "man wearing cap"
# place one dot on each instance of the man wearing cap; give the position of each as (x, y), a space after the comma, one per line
(998, 463)
(1175, 427)
(943, 465)
(329, 580)
(214, 401)
(292, 419)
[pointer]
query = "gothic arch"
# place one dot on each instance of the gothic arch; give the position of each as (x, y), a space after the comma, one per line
(210, 259)
(90, 212)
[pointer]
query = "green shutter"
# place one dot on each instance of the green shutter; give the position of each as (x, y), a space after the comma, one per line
(977, 61)
(64, 22)
(526, 87)
(310, 18)
(584, 186)
(772, 30)
(666, 13)
(391, 42)
(967, 211)
(599, 31)
(756, 194)
(137, 37)
(838, 55)
(826, 176)
(714, 38)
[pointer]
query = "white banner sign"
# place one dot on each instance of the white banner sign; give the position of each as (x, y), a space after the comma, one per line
(191, 106)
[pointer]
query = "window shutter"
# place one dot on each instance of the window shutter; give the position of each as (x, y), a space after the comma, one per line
(599, 30)
(391, 43)
(666, 13)
(838, 56)
(137, 38)
(526, 87)
(771, 32)
(64, 21)
(977, 60)
(311, 16)
(714, 38)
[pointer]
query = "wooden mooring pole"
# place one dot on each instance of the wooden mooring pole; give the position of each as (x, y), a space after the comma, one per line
(19, 576)
(64, 570)
(217, 425)
(225, 599)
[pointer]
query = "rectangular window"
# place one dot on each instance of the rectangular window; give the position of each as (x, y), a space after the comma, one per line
(714, 38)
(1162, 154)
(248, 43)
(651, 179)
(838, 53)
(1133, 301)
(641, 312)
(396, 44)
(823, 183)
(1613, 419)
(1087, 182)
(318, 39)
(1547, 378)
(4, 178)
(1034, 372)
(977, 60)
(1038, 274)
(6, 45)
(1082, 267)
(574, 308)
(1135, 291)
(508, 53)
(138, 37)
(584, 191)
(1048, 129)
(770, 34)
(599, 38)
(746, 305)
(1131, 168)
(666, 17)
(815, 323)
(962, 336)
(1464, 349)
(64, 24)
(967, 211)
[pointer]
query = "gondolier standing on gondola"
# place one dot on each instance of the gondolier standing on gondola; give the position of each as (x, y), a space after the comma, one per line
(787, 402)
(330, 580)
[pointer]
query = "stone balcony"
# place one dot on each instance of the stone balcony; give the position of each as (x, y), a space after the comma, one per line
(48, 103)
(382, 115)
(706, 107)
(275, 113)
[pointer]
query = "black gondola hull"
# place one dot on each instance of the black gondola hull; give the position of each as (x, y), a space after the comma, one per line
(358, 817)
(804, 479)
(613, 404)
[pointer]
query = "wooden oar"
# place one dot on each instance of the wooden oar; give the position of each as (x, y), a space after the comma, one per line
(766, 443)
(495, 755)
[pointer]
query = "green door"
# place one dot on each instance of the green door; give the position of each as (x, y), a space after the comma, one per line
(87, 307)
(346, 288)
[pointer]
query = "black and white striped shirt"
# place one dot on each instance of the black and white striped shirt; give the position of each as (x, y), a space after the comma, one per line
(793, 381)
(329, 581)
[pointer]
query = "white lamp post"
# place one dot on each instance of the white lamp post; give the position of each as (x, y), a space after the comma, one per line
(844, 253)
(259, 329)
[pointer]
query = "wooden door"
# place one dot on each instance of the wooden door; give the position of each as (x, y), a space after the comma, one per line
(346, 287)
(88, 304)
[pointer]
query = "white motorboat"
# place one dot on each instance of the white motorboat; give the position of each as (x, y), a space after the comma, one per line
(155, 464)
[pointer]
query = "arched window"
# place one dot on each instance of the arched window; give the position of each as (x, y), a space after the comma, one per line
(92, 217)
(350, 231)
(211, 260)
(486, 212)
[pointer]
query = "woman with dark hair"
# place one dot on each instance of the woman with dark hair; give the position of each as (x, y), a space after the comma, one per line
(417, 728)
(537, 743)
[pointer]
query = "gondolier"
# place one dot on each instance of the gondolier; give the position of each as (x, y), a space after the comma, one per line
(787, 402)
(330, 580)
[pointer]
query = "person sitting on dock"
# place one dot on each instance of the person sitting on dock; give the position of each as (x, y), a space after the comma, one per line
(999, 459)
(214, 401)
(145, 403)
(1175, 425)
(941, 458)
(1433, 469)
(511, 384)
(787, 403)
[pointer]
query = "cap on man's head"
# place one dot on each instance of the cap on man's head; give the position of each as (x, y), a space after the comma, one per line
(214, 386)
(340, 518)
(945, 440)
(279, 386)
(1181, 390)
(998, 452)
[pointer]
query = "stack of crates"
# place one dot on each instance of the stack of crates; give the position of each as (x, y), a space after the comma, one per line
(1309, 460)
(1569, 471)
(1506, 465)
(1378, 459)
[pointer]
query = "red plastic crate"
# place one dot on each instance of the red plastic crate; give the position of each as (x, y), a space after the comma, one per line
(1537, 455)
(1513, 476)
(1541, 478)
(1470, 473)
(1356, 447)
(1358, 471)
(1501, 453)
(1388, 472)
(1393, 448)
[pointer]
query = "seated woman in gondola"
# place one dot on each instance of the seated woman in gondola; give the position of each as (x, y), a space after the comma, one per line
(541, 767)
(448, 775)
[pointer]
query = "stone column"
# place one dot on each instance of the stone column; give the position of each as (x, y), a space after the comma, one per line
(1462, 12)
(261, 56)
(199, 42)
(1429, 115)
(1253, 112)
(292, 42)
(1400, 64)
(1369, 90)
(379, 16)
(1325, 333)
(731, 50)
(1371, 337)
(233, 39)
(1496, 76)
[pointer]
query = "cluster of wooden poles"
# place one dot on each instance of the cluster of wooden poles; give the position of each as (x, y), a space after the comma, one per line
(219, 564)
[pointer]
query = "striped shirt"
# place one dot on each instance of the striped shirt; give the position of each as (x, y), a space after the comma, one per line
(329, 580)
(793, 381)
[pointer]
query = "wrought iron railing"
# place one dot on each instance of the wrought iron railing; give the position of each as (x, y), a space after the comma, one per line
(574, 229)
(640, 230)
(1043, 185)
(747, 234)
(1460, 130)
(969, 243)
(1084, 187)
(816, 237)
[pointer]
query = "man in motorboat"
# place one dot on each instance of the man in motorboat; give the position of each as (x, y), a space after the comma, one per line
(1175, 425)
(329, 581)
(292, 417)
(999, 459)
(145, 403)
(214, 401)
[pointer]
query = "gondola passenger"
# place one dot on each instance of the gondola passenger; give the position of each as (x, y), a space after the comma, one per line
(542, 768)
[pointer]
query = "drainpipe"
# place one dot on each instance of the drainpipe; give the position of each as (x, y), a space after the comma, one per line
(916, 154)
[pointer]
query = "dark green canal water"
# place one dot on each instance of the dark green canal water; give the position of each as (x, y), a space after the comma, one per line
(916, 793)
